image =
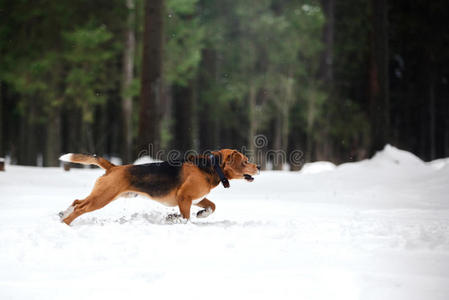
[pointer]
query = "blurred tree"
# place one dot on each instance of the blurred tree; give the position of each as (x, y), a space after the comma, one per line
(379, 86)
(39, 64)
(127, 84)
(348, 112)
(184, 41)
(34, 74)
(335, 79)
(151, 93)
(253, 62)
(324, 148)
(419, 70)
(2, 153)
(87, 80)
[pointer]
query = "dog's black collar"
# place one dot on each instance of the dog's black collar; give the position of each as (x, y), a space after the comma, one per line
(217, 169)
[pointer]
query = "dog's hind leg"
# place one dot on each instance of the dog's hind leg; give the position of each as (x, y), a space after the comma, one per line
(64, 214)
(91, 203)
(105, 190)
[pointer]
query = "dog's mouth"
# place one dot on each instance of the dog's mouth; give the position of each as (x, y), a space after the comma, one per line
(248, 177)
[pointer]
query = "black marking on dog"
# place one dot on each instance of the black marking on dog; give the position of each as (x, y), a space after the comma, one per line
(204, 163)
(158, 179)
(155, 179)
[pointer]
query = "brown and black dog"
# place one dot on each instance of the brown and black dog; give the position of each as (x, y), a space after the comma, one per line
(181, 184)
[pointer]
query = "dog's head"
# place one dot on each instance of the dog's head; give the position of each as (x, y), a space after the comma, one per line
(237, 166)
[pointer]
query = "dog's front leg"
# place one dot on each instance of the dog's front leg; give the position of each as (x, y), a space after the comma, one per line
(209, 208)
(184, 204)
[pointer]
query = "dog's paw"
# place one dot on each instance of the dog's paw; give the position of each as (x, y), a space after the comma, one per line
(175, 219)
(204, 213)
(64, 214)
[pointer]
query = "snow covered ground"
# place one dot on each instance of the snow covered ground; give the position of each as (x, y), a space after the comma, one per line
(375, 229)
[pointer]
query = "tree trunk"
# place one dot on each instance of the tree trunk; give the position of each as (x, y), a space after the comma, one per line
(2, 118)
(101, 130)
(87, 139)
(277, 142)
(326, 76)
(128, 74)
(446, 134)
(285, 110)
(327, 57)
(183, 110)
(432, 118)
(74, 131)
(21, 145)
(431, 83)
(151, 80)
(311, 111)
(379, 96)
(252, 123)
(27, 152)
(208, 124)
(53, 142)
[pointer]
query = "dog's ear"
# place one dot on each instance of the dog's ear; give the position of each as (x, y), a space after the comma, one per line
(224, 153)
(232, 156)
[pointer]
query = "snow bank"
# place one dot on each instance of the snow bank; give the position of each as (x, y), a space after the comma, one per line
(145, 160)
(390, 157)
(375, 229)
(317, 167)
(391, 163)
(439, 164)
(393, 155)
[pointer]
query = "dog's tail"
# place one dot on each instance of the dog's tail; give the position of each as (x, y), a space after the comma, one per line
(86, 159)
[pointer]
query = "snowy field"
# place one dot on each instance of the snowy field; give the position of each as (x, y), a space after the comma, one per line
(376, 229)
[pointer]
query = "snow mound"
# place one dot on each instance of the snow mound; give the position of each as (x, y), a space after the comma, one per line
(116, 160)
(145, 160)
(317, 167)
(439, 164)
(392, 155)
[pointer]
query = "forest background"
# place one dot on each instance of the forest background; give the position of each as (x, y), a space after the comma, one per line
(335, 80)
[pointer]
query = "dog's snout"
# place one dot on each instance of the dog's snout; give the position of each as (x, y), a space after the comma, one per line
(258, 167)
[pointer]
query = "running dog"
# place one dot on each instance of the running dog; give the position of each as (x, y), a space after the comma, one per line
(180, 183)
